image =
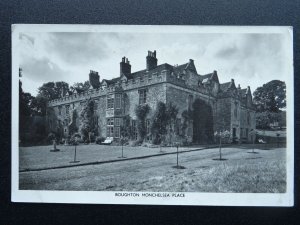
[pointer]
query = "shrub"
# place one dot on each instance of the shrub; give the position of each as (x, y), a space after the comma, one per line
(141, 112)
(92, 137)
(86, 120)
(79, 139)
(99, 140)
(163, 123)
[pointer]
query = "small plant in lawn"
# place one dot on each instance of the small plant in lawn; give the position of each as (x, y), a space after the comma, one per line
(221, 135)
(177, 165)
(51, 137)
(123, 140)
(76, 138)
(253, 133)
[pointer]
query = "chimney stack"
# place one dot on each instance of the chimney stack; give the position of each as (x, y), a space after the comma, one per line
(94, 79)
(151, 60)
(125, 67)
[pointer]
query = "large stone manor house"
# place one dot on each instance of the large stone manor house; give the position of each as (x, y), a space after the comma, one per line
(230, 106)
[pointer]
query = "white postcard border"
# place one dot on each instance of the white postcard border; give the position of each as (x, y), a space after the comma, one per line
(103, 197)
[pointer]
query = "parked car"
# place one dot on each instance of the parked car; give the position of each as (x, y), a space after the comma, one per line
(107, 141)
(261, 141)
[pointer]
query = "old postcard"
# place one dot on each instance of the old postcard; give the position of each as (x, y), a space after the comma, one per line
(165, 115)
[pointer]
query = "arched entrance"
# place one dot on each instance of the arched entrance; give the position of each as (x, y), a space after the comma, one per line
(202, 122)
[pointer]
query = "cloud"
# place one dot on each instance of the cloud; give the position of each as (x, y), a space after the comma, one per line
(41, 70)
(77, 48)
(251, 59)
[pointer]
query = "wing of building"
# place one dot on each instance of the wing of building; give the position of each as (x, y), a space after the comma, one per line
(204, 105)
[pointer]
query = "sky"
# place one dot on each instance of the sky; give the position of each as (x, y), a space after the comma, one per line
(250, 59)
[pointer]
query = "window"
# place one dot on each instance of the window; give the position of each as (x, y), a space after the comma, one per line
(190, 101)
(235, 109)
(118, 101)
(149, 76)
(67, 109)
(118, 122)
(110, 131)
(110, 127)
(142, 96)
(59, 110)
(95, 105)
(110, 102)
(73, 105)
(148, 126)
(141, 79)
(117, 132)
(110, 122)
(248, 118)
(241, 132)
(246, 132)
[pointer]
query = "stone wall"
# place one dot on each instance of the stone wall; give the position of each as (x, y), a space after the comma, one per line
(154, 94)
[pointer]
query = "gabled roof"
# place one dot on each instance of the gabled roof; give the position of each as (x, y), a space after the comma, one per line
(210, 76)
(225, 86)
(242, 92)
(175, 69)
(112, 81)
(206, 76)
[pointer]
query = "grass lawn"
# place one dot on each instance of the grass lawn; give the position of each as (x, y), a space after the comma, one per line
(263, 172)
(37, 157)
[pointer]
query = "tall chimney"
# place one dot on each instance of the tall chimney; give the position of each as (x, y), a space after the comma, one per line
(94, 79)
(125, 67)
(151, 60)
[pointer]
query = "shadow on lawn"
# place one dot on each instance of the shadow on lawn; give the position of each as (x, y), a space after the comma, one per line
(254, 158)
(218, 159)
(179, 167)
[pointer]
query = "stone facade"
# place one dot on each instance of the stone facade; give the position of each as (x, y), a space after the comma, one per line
(231, 107)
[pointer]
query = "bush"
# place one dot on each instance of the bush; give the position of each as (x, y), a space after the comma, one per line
(92, 137)
(99, 140)
(51, 137)
(72, 140)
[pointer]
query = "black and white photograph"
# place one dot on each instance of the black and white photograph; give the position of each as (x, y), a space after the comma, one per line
(163, 115)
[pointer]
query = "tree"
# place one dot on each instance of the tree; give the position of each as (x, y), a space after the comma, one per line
(141, 112)
(80, 87)
(39, 105)
(264, 119)
(72, 125)
(270, 97)
(163, 123)
(125, 128)
(53, 90)
(86, 120)
(171, 114)
(222, 134)
(159, 123)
